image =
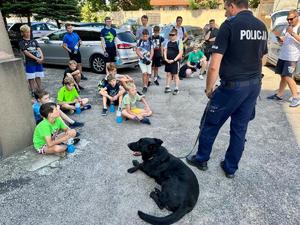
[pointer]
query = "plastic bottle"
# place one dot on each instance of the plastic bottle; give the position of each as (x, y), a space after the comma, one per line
(76, 49)
(119, 118)
(77, 108)
(70, 146)
(118, 60)
(112, 108)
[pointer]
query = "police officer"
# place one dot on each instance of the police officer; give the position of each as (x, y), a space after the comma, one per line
(236, 57)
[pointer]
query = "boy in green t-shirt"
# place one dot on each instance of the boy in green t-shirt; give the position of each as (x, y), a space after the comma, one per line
(130, 109)
(196, 60)
(68, 96)
(45, 138)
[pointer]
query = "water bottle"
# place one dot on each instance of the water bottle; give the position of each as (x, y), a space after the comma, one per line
(112, 108)
(76, 49)
(119, 118)
(77, 108)
(70, 146)
(118, 61)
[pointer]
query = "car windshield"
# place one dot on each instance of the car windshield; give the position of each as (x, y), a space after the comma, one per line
(57, 36)
(126, 36)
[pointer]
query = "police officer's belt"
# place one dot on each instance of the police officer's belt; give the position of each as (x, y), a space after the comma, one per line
(232, 84)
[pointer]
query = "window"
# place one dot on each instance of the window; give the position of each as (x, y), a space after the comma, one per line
(40, 26)
(52, 26)
(279, 29)
(57, 36)
(126, 37)
(88, 35)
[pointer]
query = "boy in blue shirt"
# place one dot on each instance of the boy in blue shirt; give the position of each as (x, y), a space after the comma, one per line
(108, 35)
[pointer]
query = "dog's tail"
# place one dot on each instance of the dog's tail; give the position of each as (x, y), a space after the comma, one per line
(172, 218)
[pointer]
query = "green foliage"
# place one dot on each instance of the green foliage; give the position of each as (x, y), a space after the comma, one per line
(130, 5)
(254, 3)
(193, 5)
(58, 10)
(88, 14)
(210, 4)
(19, 7)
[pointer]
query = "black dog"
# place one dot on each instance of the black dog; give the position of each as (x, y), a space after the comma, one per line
(179, 185)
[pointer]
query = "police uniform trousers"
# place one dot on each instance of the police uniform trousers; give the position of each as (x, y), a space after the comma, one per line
(235, 99)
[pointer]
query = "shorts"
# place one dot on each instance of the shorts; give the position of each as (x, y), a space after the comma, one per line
(172, 68)
(136, 111)
(145, 68)
(34, 70)
(156, 61)
(285, 68)
(116, 102)
(112, 53)
(42, 150)
(76, 57)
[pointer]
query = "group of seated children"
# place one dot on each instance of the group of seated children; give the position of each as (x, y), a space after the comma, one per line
(51, 118)
(113, 88)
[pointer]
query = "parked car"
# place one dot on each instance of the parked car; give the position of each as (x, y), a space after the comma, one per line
(279, 24)
(196, 34)
(91, 50)
(91, 24)
(39, 29)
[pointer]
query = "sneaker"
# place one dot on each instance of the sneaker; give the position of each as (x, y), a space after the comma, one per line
(77, 134)
(149, 83)
(201, 77)
(80, 87)
(76, 124)
(156, 82)
(144, 91)
(83, 77)
(295, 102)
(104, 112)
(228, 175)
(76, 140)
(194, 162)
(275, 97)
(86, 107)
(167, 90)
(175, 92)
(145, 121)
(158, 77)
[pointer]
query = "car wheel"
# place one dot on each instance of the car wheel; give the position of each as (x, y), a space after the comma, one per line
(98, 64)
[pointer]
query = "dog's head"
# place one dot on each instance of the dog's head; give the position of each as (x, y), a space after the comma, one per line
(146, 146)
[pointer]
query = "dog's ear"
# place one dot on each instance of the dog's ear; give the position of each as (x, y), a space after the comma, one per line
(158, 141)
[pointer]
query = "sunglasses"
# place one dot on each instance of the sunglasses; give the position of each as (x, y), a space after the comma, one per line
(172, 34)
(290, 19)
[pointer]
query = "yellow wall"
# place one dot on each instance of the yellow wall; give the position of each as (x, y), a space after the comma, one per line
(190, 17)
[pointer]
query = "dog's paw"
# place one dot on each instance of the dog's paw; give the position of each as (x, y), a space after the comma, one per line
(135, 163)
(132, 170)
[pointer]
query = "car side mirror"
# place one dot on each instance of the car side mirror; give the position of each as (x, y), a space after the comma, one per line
(45, 40)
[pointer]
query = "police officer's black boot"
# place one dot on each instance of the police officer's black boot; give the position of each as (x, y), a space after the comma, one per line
(194, 162)
(228, 175)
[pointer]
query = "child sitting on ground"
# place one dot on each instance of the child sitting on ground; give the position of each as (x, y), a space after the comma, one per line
(68, 96)
(130, 109)
(196, 60)
(112, 94)
(112, 69)
(73, 72)
(43, 97)
(46, 138)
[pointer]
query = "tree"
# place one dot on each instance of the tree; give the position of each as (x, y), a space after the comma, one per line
(58, 10)
(254, 3)
(20, 7)
(130, 5)
(193, 5)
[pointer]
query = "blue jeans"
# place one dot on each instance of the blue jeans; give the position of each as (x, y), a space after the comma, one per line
(231, 99)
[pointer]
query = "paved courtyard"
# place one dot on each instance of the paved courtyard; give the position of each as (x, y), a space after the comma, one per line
(92, 186)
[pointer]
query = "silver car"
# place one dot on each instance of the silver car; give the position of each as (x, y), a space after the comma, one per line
(92, 54)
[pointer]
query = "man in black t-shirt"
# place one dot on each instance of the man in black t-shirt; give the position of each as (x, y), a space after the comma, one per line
(210, 38)
(236, 57)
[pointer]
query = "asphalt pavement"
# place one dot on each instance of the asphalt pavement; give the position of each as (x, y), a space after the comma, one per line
(92, 185)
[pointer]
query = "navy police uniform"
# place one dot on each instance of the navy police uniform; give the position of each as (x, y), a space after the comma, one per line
(242, 40)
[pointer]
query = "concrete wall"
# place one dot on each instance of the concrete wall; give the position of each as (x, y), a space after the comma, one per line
(16, 116)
